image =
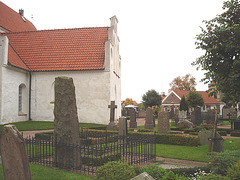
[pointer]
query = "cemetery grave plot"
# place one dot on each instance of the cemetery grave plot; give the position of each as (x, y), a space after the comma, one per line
(94, 150)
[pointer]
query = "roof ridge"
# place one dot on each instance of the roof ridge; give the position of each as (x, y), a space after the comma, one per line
(46, 30)
(19, 57)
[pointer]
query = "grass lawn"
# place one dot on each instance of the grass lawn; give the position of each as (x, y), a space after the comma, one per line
(194, 153)
(43, 125)
(41, 172)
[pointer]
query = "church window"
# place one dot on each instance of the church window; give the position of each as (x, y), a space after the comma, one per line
(20, 99)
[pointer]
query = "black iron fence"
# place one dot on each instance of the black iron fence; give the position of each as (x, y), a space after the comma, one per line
(93, 151)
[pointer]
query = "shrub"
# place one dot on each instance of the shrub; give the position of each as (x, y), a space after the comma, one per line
(191, 172)
(222, 133)
(145, 130)
(221, 161)
(153, 170)
(233, 172)
(115, 170)
(213, 177)
(235, 133)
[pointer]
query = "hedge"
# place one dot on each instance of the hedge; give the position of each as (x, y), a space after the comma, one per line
(92, 160)
(235, 133)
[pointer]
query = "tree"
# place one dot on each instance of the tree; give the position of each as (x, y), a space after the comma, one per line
(183, 104)
(186, 82)
(194, 99)
(220, 40)
(151, 98)
(128, 101)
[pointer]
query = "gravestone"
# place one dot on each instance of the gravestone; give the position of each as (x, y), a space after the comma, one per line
(171, 113)
(196, 116)
(229, 113)
(143, 176)
(210, 117)
(122, 130)
(176, 116)
(112, 126)
(236, 124)
(205, 138)
(163, 122)
(14, 154)
(66, 124)
(141, 114)
(182, 115)
(133, 122)
(149, 119)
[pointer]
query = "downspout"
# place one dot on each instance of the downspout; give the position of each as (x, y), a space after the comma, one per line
(30, 92)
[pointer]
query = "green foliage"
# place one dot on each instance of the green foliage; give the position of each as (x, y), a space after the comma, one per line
(156, 110)
(170, 176)
(221, 161)
(235, 133)
(183, 104)
(194, 99)
(152, 98)
(220, 42)
(116, 170)
(233, 172)
(93, 160)
(192, 172)
(153, 170)
(212, 177)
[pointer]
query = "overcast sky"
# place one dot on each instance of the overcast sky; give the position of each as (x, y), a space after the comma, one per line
(157, 38)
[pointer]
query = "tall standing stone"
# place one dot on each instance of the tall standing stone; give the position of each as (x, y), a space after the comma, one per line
(133, 122)
(149, 119)
(66, 124)
(176, 116)
(112, 126)
(163, 122)
(14, 154)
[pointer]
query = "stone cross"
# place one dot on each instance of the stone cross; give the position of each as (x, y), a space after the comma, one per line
(14, 154)
(112, 107)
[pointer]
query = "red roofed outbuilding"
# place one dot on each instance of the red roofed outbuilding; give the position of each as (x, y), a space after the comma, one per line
(175, 96)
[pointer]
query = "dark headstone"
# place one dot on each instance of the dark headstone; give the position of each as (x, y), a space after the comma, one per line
(236, 124)
(14, 154)
(163, 122)
(171, 113)
(122, 130)
(210, 117)
(196, 116)
(112, 126)
(133, 122)
(206, 137)
(176, 116)
(182, 115)
(229, 113)
(66, 124)
(149, 119)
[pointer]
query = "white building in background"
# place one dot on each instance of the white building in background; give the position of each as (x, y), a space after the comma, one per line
(31, 59)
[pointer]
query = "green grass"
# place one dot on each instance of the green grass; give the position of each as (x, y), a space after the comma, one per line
(197, 153)
(41, 172)
(43, 125)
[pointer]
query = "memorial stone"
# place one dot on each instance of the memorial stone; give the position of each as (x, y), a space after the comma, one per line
(163, 122)
(176, 116)
(112, 126)
(122, 130)
(143, 176)
(210, 117)
(149, 119)
(133, 122)
(14, 154)
(205, 138)
(196, 116)
(66, 124)
(182, 115)
(229, 113)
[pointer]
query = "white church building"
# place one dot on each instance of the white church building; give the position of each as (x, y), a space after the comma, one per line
(31, 60)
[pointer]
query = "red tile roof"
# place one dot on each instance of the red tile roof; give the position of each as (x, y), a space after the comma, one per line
(55, 50)
(205, 95)
(12, 21)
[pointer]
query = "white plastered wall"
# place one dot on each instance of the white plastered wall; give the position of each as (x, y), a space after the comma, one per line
(92, 95)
